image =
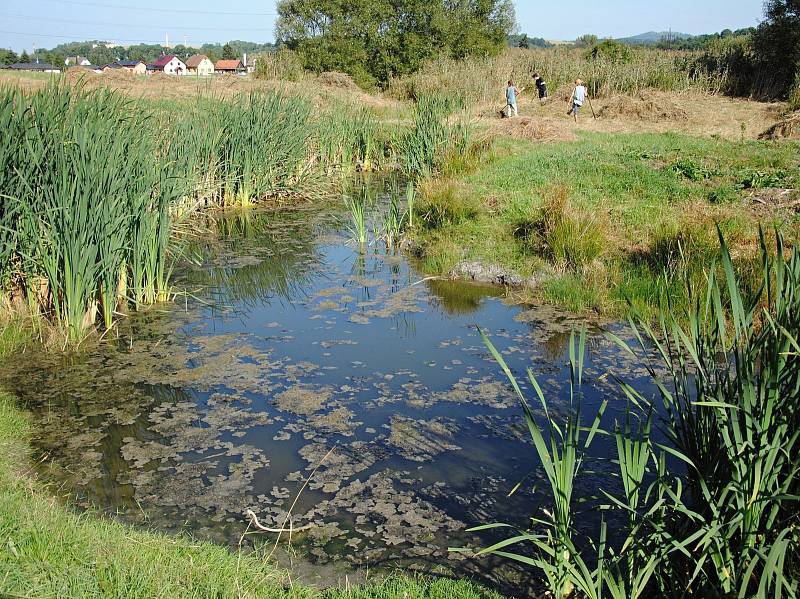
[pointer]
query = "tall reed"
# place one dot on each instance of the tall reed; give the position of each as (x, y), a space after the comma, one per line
(725, 525)
(482, 80)
(84, 161)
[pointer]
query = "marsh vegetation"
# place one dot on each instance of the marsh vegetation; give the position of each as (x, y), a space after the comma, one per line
(305, 331)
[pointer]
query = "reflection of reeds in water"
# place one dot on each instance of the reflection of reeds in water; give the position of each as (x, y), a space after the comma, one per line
(277, 259)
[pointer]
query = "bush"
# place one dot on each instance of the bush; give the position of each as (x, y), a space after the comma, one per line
(794, 94)
(283, 65)
(615, 51)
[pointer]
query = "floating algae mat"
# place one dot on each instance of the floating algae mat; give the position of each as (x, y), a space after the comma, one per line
(295, 353)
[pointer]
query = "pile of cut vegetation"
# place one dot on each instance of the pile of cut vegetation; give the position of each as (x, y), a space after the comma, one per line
(786, 128)
(643, 107)
(535, 129)
(338, 80)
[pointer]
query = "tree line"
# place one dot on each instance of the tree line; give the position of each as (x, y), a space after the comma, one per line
(98, 53)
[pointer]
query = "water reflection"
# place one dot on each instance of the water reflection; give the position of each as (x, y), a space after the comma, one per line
(204, 412)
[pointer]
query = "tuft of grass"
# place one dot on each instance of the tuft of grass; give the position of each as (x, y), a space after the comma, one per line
(445, 203)
(570, 237)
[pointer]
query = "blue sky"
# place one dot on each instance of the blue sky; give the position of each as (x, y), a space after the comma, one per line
(46, 23)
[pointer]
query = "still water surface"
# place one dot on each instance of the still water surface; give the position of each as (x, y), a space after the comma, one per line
(292, 341)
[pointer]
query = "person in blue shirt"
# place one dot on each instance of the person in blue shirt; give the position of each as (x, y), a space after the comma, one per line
(511, 99)
(579, 95)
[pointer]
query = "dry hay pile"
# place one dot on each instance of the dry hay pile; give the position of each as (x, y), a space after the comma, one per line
(338, 80)
(534, 129)
(643, 107)
(787, 128)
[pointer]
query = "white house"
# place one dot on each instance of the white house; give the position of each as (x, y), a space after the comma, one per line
(77, 61)
(169, 64)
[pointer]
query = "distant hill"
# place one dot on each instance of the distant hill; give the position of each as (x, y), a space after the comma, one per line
(653, 37)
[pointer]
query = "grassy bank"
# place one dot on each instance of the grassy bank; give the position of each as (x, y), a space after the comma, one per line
(600, 220)
(49, 551)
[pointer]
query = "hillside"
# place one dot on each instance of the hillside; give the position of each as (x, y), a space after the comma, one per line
(653, 37)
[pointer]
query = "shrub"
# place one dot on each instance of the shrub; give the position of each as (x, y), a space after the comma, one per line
(615, 51)
(283, 65)
(794, 94)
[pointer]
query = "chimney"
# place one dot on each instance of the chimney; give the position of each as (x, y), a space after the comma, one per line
(245, 61)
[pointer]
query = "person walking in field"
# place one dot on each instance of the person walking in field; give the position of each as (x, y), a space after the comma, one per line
(511, 99)
(541, 86)
(579, 96)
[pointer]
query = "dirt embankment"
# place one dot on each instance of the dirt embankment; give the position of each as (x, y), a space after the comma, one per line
(786, 128)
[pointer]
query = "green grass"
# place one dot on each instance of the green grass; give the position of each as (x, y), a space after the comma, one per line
(50, 551)
(606, 215)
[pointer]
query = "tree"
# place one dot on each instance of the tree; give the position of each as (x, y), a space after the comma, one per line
(227, 52)
(586, 41)
(612, 50)
(375, 40)
(777, 43)
(24, 57)
(8, 56)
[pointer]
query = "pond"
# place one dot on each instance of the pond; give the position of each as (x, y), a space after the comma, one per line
(295, 352)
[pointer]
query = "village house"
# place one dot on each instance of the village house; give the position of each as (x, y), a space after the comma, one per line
(39, 67)
(77, 61)
(249, 65)
(229, 66)
(200, 65)
(136, 67)
(169, 64)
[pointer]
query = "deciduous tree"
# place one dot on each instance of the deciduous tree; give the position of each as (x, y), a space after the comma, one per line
(777, 42)
(375, 40)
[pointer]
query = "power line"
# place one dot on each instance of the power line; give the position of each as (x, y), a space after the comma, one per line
(161, 9)
(72, 38)
(158, 27)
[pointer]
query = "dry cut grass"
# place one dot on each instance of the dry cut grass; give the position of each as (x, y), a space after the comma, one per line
(694, 113)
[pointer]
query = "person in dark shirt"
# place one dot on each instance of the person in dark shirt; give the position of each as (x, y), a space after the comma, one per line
(541, 86)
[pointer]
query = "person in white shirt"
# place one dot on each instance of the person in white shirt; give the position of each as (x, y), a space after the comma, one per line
(579, 95)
